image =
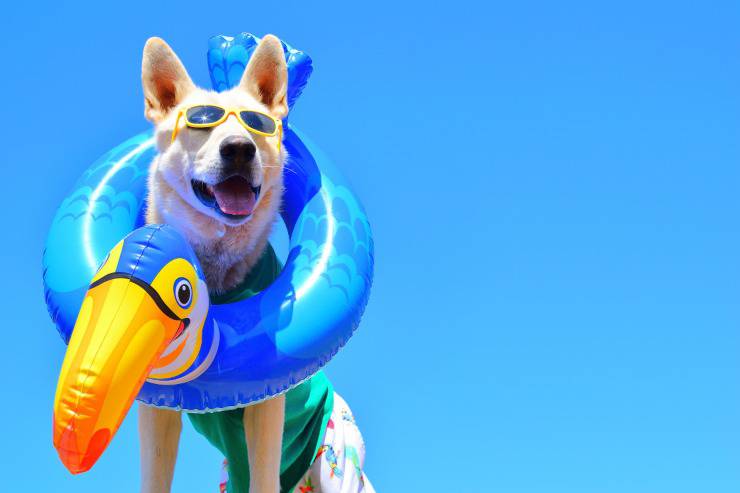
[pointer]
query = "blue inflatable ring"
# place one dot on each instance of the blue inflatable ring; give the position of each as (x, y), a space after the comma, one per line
(258, 347)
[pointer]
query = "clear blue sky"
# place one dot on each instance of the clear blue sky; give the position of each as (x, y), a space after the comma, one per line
(553, 188)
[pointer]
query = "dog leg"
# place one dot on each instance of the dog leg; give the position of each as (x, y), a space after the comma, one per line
(159, 435)
(263, 428)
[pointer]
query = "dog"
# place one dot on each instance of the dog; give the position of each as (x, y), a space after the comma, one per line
(221, 187)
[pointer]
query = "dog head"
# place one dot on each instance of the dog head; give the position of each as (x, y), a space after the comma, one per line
(224, 172)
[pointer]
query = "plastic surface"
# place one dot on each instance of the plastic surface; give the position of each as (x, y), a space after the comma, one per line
(256, 348)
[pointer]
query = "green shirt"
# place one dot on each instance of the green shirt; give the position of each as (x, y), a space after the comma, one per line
(307, 406)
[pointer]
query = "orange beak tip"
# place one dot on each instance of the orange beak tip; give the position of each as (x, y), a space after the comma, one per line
(80, 459)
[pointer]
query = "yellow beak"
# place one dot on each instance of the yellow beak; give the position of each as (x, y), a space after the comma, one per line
(119, 334)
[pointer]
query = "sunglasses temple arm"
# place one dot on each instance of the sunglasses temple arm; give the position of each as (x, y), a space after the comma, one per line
(280, 135)
(177, 127)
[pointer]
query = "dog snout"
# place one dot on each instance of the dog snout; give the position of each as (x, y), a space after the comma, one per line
(237, 151)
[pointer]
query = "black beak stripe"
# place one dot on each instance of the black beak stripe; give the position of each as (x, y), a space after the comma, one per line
(146, 287)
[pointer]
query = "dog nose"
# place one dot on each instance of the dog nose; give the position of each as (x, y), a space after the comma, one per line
(237, 150)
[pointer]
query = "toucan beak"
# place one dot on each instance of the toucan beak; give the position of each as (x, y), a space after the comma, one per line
(119, 334)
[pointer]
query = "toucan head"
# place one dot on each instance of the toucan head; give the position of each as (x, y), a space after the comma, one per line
(144, 304)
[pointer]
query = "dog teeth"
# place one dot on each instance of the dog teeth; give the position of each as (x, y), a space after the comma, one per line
(209, 189)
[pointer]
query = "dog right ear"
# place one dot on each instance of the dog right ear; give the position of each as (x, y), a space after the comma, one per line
(266, 76)
(164, 78)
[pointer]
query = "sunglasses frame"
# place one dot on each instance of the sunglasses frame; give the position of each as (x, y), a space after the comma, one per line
(228, 112)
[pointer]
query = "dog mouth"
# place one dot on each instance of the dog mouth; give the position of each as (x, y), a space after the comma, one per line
(233, 198)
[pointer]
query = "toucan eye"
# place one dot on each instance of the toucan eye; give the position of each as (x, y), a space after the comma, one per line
(183, 292)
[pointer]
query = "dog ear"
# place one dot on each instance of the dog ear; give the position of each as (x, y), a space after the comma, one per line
(165, 80)
(266, 76)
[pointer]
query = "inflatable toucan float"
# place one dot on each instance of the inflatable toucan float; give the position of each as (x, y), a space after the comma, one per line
(131, 301)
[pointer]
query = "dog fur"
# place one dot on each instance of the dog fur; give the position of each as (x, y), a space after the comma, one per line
(227, 247)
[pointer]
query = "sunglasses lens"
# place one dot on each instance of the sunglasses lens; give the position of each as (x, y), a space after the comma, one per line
(203, 115)
(258, 121)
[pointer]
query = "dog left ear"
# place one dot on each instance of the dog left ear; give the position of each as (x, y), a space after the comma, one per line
(266, 76)
(164, 79)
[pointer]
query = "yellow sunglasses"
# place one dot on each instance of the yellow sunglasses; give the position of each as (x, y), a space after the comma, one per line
(211, 115)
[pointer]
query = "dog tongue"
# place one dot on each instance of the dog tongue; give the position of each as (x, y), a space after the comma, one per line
(235, 196)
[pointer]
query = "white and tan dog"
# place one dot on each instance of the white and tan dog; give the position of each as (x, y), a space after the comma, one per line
(222, 188)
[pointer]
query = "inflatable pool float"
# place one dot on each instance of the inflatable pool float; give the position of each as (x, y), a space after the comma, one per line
(213, 357)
